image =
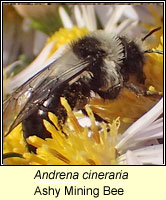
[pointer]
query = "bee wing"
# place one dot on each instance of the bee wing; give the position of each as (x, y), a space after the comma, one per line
(39, 88)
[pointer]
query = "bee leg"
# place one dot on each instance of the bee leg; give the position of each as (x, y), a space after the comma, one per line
(134, 88)
(140, 91)
(33, 125)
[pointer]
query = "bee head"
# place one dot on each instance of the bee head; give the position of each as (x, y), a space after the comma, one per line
(134, 56)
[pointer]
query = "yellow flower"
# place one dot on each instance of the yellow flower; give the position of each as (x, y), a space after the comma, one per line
(65, 36)
(77, 148)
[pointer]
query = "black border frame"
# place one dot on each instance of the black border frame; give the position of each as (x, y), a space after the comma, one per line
(85, 2)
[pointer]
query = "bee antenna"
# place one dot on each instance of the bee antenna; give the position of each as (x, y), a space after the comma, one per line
(153, 51)
(150, 33)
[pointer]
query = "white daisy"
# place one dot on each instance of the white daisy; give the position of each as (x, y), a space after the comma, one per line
(139, 143)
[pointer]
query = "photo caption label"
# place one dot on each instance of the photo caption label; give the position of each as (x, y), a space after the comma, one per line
(75, 184)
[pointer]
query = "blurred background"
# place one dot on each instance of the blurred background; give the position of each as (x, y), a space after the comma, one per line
(27, 29)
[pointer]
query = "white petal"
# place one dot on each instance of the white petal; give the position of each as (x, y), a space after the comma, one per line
(158, 121)
(155, 132)
(37, 65)
(32, 69)
(116, 15)
(39, 42)
(92, 17)
(85, 122)
(104, 13)
(131, 13)
(65, 18)
(131, 159)
(139, 125)
(134, 145)
(89, 17)
(152, 155)
(56, 54)
(126, 24)
(78, 16)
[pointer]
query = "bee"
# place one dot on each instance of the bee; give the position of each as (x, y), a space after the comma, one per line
(100, 62)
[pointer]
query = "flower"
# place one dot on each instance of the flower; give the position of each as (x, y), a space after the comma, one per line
(100, 143)
(77, 148)
(135, 144)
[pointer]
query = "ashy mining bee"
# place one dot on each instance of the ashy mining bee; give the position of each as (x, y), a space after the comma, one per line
(100, 62)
